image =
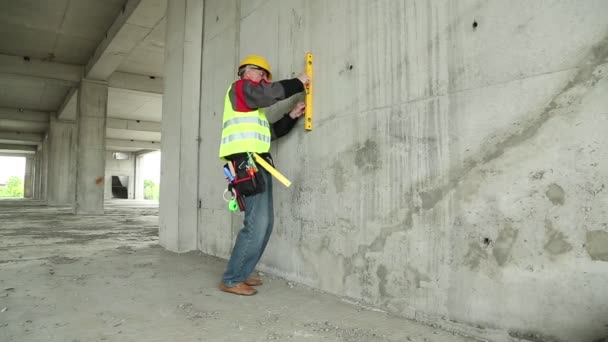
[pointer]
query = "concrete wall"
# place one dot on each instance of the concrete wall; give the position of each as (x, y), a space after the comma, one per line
(62, 149)
(456, 173)
(115, 167)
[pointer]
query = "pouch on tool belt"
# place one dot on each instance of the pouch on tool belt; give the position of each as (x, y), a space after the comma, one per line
(244, 183)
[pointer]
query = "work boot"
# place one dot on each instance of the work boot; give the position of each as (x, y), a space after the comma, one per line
(253, 282)
(239, 289)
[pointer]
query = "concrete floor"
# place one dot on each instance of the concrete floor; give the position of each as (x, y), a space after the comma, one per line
(105, 278)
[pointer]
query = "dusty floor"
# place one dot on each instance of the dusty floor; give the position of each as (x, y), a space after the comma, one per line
(105, 278)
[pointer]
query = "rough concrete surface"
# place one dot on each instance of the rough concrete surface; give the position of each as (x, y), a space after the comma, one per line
(105, 278)
(456, 171)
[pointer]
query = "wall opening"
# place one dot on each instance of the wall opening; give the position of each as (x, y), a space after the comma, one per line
(120, 156)
(120, 187)
(151, 175)
(12, 177)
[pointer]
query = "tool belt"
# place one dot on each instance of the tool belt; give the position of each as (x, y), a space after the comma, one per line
(247, 179)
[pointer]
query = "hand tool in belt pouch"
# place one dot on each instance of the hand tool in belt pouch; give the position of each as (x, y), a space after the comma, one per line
(247, 180)
(235, 202)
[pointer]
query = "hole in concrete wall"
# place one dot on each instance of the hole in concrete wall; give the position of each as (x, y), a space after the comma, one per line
(152, 77)
(120, 156)
(120, 187)
(350, 67)
(137, 121)
(487, 241)
(217, 18)
(475, 24)
(26, 58)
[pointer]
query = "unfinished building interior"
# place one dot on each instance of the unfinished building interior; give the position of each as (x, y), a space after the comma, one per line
(453, 186)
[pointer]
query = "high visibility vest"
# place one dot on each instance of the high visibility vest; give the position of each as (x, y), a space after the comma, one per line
(244, 131)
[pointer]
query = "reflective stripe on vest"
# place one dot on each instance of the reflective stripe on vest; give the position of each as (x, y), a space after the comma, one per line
(250, 119)
(243, 136)
(244, 131)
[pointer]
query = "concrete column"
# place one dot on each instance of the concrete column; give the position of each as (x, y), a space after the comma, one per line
(139, 177)
(92, 112)
(61, 159)
(42, 155)
(28, 179)
(180, 125)
(37, 171)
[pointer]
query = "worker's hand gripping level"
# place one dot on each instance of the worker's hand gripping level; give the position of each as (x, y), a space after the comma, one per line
(308, 110)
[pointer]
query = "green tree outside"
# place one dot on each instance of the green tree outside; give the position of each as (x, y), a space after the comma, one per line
(13, 188)
(151, 190)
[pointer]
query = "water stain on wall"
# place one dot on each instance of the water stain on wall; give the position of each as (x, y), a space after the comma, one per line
(556, 194)
(367, 157)
(474, 256)
(556, 241)
(504, 244)
(430, 198)
(597, 245)
(415, 277)
(338, 175)
(586, 78)
(382, 274)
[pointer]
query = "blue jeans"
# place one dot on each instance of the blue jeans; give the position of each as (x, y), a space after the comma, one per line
(253, 237)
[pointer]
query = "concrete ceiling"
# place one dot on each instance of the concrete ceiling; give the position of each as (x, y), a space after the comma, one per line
(86, 36)
(60, 30)
(134, 105)
(31, 93)
(148, 57)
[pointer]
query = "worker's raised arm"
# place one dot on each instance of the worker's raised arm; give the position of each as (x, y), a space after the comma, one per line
(264, 94)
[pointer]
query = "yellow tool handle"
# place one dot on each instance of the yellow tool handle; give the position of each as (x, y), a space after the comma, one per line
(308, 110)
(231, 169)
(263, 163)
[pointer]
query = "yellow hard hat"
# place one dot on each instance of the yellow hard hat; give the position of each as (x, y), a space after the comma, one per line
(258, 61)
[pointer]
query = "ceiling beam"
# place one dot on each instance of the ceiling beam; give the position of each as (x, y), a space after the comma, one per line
(67, 111)
(53, 82)
(12, 148)
(23, 115)
(20, 138)
(37, 68)
(23, 121)
(23, 126)
(127, 31)
(147, 84)
(132, 144)
(142, 152)
(133, 125)
(12, 153)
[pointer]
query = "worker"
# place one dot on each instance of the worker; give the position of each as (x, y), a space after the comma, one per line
(247, 130)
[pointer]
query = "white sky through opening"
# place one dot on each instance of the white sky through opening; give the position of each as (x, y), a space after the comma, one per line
(12, 166)
(151, 166)
(15, 166)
